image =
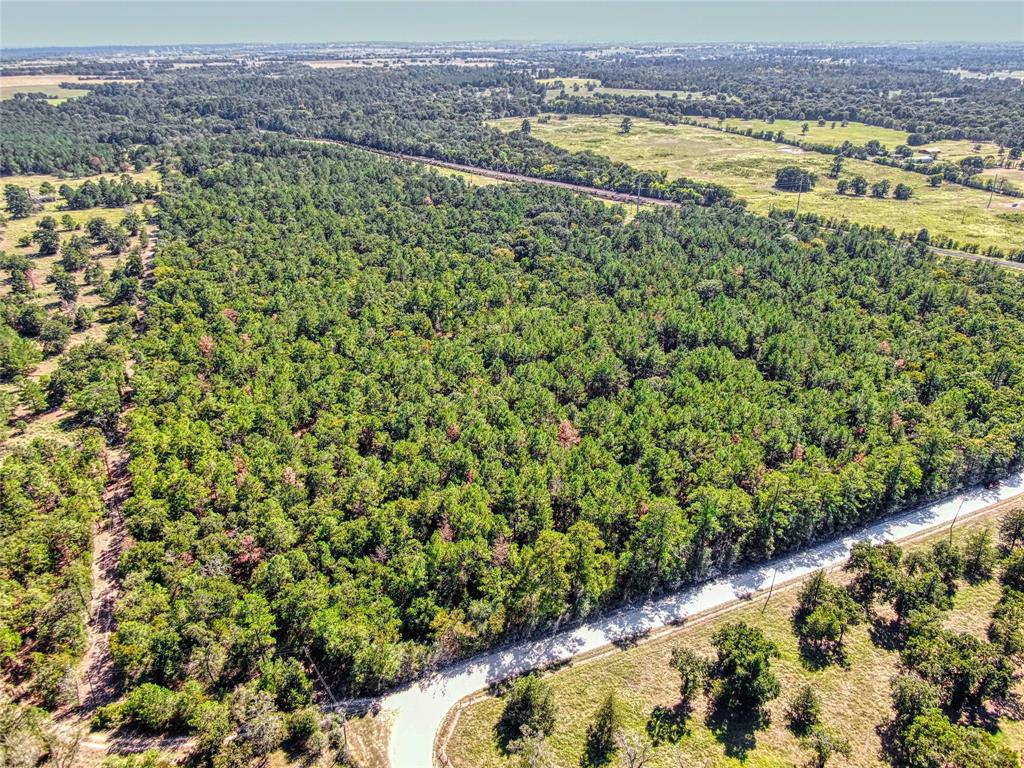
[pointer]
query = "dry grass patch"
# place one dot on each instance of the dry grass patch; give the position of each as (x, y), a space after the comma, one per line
(50, 84)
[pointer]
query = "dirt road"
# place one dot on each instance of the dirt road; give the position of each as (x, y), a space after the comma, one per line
(618, 197)
(418, 711)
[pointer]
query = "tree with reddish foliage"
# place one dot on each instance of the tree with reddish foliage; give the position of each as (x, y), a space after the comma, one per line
(567, 434)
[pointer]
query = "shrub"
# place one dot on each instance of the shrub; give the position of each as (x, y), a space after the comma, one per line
(152, 707)
(530, 706)
(804, 710)
(693, 672)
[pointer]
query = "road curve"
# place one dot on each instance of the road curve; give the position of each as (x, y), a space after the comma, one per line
(417, 711)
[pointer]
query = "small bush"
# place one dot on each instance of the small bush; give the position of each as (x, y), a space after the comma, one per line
(804, 710)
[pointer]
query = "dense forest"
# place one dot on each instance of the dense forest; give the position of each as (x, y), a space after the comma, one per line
(384, 420)
(439, 111)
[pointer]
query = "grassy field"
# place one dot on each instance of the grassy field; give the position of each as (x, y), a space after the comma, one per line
(1015, 74)
(748, 167)
(855, 697)
(569, 82)
(12, 229)
(855, 133)
(860, 134)
(50, 85)
(955, 150)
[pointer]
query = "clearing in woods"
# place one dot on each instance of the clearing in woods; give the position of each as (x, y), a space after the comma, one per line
(748, 167)
(855, 696)
(855, 133)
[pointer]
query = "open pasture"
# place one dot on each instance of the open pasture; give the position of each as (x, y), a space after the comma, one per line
(855, 133)
(748, 167)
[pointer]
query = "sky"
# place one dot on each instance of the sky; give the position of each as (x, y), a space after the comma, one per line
(41, 23)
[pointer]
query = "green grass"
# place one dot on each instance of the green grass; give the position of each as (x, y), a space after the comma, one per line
(33, 180)
(54, 424)
(855, 697)
(855, 133)
(955, 150)
(49, 84)
(748, 167)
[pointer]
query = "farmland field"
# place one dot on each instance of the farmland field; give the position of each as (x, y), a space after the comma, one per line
(748, 166)
(49, 84)
(855, 695)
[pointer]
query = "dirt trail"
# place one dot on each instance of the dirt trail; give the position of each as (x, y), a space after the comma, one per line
(97, 681)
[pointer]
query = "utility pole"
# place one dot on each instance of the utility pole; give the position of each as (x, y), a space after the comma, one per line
(799, 191)
(320, 677)
(637, 195)
(770, 590)
(954, 521)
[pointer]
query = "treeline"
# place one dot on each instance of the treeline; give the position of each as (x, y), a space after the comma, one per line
(50, 494)
(384, 420)
(110, 193)
(922, 235)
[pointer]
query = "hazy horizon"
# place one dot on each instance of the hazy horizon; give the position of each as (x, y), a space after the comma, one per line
(160, 23)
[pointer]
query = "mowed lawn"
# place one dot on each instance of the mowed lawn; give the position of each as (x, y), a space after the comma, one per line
(748, 167)
(855, 697)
